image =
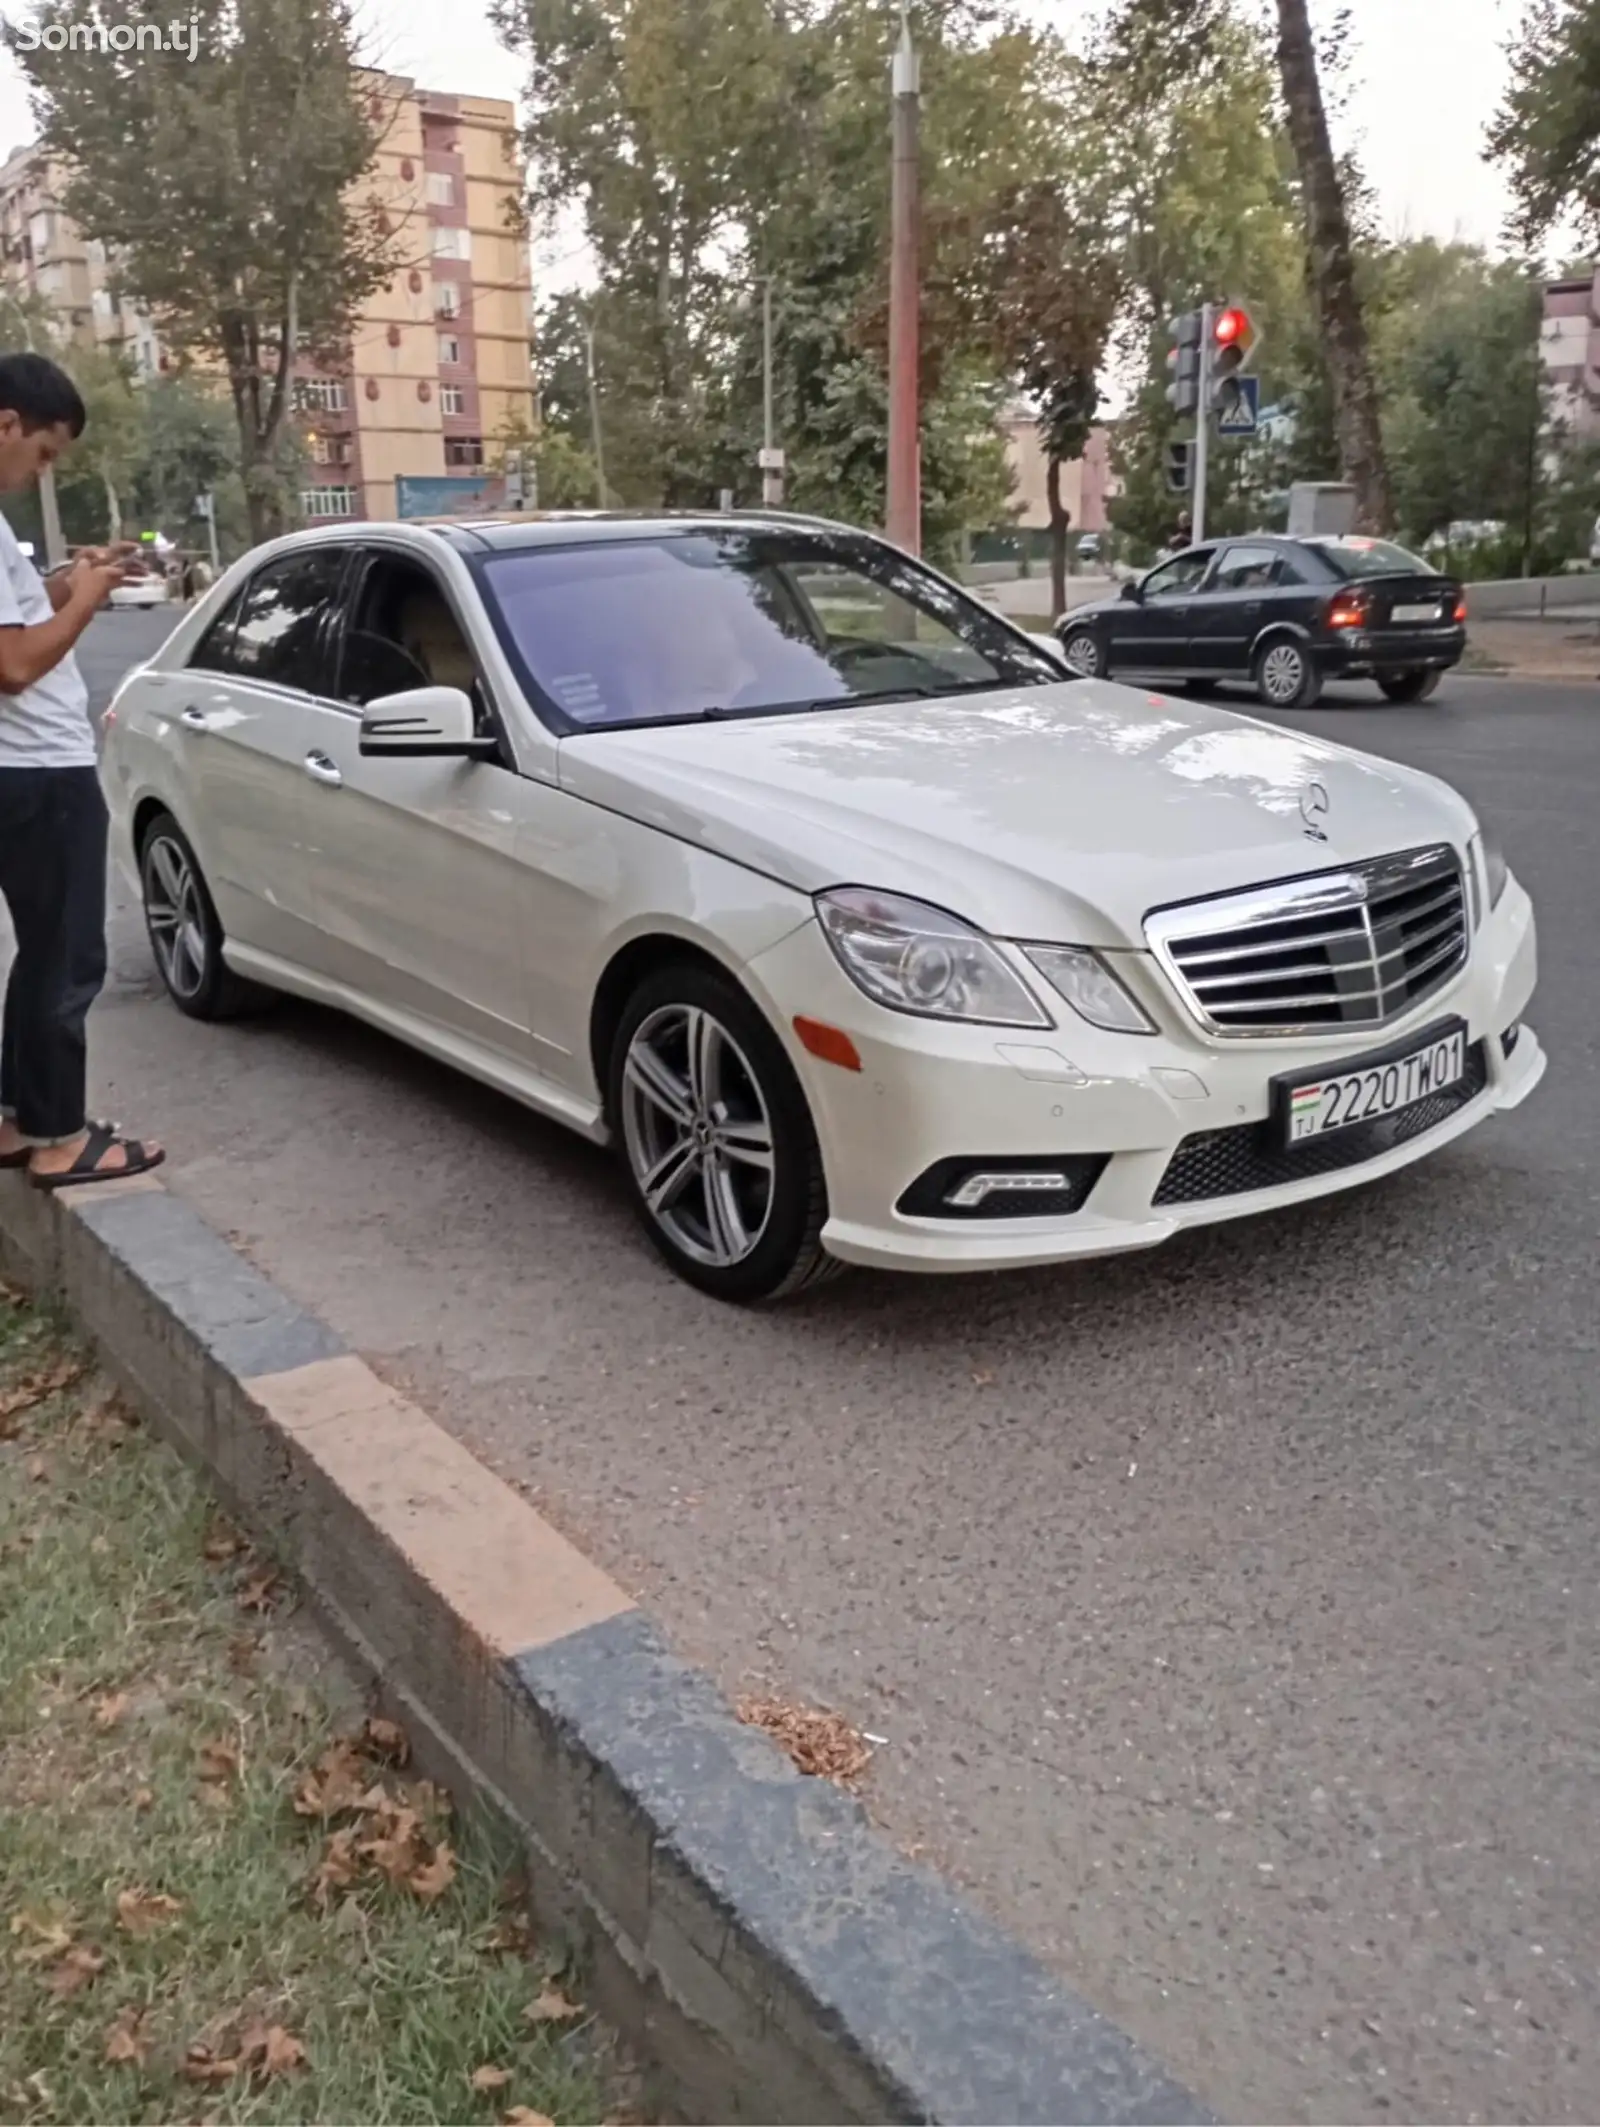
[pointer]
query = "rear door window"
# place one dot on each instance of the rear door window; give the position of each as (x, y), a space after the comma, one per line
(280, 638)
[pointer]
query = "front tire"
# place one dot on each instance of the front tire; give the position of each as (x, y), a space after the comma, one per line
(185, 934)
(1411, 686)
(716, 1139)
(1287, 675)
(1084, 652)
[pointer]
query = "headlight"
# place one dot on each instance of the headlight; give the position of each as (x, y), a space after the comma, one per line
(1495, 871)
(914, 958)
(1089, 986)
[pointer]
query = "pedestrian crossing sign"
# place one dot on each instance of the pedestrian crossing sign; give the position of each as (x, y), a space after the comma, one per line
(1239, 406)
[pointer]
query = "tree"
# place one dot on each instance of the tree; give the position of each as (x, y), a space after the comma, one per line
(112, 445)
(1546, 133)
(224, 185)
(1331, 267)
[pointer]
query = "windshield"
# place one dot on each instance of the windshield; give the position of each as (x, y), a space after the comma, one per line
(1370, 557)
(741, 622)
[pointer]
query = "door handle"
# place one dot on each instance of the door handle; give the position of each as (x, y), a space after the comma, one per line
(194, 719)
(322, 770)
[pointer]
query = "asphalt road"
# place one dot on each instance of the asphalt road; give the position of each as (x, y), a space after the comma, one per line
(1229, 1611)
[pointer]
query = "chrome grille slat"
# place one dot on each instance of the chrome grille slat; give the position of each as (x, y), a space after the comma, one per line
(1348, 949)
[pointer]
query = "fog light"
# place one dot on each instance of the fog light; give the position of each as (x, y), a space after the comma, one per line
(1004, 1186)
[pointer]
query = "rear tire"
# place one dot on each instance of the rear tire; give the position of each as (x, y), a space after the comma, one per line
(1287, 675)
(185, 934)
(1411, 686)
(716, 1139)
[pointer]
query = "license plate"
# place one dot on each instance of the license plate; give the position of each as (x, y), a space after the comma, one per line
(1414, 613)
(1365, 1092)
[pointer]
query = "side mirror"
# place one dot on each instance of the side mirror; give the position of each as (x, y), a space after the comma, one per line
(424, 723)
(1132, 592)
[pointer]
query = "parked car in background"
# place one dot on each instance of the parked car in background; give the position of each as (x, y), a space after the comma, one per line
(766, 854)
(146, 586)
(1282, 615)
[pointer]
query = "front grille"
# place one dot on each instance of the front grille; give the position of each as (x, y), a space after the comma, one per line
(1215, 1163)
(1351, 948)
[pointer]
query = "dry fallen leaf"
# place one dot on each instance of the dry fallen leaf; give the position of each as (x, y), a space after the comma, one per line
(339, 1867)
(38, 1469)
(82, 1963)
(821, 1744)
(126, 2040)
(552, 2007)
(522, 2116)
(487, 2078)
(336, 1784)
(393, 1850)
(144, 1798)
(513, 1936)
(223, 1542)
(109, 1711)
(268, 2049)
(260, 1591)
(141, 1912)
(33, 1388)
(219, 1761)
(244, 1651)
(202, 2065)
(52, 1936)
(386, 1741)
(435, 1877)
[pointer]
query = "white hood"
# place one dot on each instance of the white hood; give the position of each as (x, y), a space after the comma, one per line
(1059, 812)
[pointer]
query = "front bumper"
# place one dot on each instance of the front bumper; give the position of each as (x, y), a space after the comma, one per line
(930, 1091)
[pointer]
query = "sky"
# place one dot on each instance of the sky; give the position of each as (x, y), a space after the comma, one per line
(1427, 74)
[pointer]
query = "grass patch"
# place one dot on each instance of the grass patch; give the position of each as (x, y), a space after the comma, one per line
(223, 1896)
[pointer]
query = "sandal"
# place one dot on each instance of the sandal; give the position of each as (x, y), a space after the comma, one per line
(87, 1168)
(24, 1153)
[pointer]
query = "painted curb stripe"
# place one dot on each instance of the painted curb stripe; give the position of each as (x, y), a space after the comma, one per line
(770, 1957)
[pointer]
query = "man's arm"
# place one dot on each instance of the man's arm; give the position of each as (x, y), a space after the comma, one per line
(27, 654)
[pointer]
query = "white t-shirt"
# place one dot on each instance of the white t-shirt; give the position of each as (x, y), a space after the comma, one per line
(46, 725)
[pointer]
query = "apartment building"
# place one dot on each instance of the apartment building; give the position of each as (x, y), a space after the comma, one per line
(43, 254)
(1088, 484)
(410, 418)
(440, 369)
(1569, 340)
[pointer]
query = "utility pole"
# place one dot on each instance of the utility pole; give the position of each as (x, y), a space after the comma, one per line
(55, 547)
(772, 463)
(905, 418)
(594, 411)
(1202, 426)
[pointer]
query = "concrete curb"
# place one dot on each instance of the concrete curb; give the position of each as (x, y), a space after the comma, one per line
(770, 1957)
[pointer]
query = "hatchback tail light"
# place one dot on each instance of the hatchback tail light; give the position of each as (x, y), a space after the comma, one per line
(1349, 610)
(1461, 612)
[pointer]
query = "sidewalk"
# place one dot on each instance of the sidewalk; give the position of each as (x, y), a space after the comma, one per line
(1564, 649)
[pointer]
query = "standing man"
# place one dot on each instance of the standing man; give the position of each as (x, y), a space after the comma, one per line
(52, 816)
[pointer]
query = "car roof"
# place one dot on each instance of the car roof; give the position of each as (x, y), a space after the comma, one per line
(553, 528)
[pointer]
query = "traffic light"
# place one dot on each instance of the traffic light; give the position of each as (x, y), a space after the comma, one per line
(1233, 347)
(1180, 468)
(1184, 362)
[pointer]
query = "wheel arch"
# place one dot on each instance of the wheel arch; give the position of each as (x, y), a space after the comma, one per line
(622, 974)
(1294, 631)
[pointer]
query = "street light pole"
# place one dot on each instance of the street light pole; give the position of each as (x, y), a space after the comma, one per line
(771, 457)
(905, 441)
(594, 411)
(55, 547)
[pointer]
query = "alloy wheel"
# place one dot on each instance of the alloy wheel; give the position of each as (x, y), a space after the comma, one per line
(175, 916)
(698, 1135)
(1283, 673)
(1083, 654)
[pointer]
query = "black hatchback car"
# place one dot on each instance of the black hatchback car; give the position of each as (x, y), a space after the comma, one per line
(1285, 615)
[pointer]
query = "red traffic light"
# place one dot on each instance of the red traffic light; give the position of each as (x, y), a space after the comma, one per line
(1231, 328)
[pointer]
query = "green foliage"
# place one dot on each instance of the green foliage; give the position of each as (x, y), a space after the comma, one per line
(1546, 134)
(221, 183)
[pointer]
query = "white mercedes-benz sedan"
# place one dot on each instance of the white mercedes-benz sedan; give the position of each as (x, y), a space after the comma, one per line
(865, 931)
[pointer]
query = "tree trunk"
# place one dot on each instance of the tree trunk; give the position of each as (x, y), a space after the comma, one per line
(1332, 274)
(1060, 525)
(114, 508)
